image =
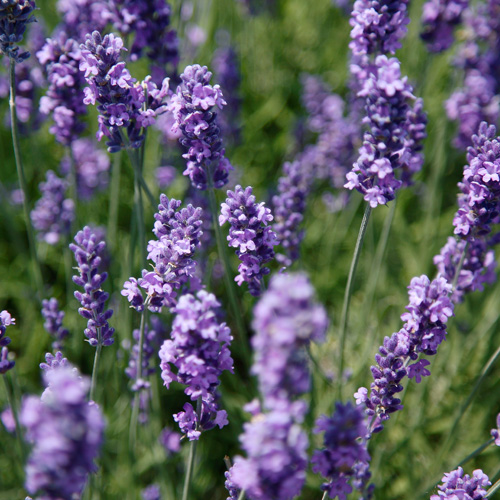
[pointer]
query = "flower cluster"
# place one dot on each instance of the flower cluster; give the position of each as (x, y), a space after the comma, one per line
(80, 17)
(479, 201)
(88, 250)
(120, 98)
(66, 431)
(53, 212)
(54, 361)
(178, 233)
(14, 16)
(439, 17)
(148, 21)
(250, 235)
(424, 329)
(53, 322)
(457, 485)
(91, 166)
(61, 57)
(344, 457)
(196, 355)
(383, 150)
(276, 448)
(192, 107)
(478, 266)
(495, 433)
(286, 320)
(5, 320)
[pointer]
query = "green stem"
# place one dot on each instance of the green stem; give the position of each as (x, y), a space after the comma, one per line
(136, 165)
(348, 292)
(37, 273)
(191, 457)
(236, 309)
(140, 218)
(493, 489)
(95, 368)
(241, 496)
(13, 406)
(114, 198)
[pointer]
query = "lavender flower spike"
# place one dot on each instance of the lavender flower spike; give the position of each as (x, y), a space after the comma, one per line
(250, 235)
(14, 15)
(53, 322)
(66, 431)
(88, 250)
(5, 320)
(457, 485)
(196, 355)
(192, 107)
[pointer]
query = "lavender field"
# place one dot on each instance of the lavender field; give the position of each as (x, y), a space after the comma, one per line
(248, 249)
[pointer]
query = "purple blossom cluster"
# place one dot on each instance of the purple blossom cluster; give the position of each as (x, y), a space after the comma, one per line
(276, 462)
(478, 266)
(61, 58)
(250, 234)
(192, 106)
(147, 22)
(439, 18)
(196, 355)
(286, 320)
(66, 432)
(14, 16)
(91, 165)
(5, 320)
(495, 433)
(344, 457)
(88, 250)
(54, 361)
(53, 213)
(457, 485)
(478, 56)
(425, 328)
(288, 208)
(479, 201)
(80, 17)
(384, 150)
(121, 100)
(54, 317)
(178, 235)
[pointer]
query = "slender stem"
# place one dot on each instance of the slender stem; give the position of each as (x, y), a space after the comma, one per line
(114, 198)
(73, 187)
(192, 454)
(241, 496)
(493, 489)
(13, 406)
(459, 267)
(348, 292)
(325, 495)
(236, 309)
(135, 161)
(37, 273)
(140, 218)
(95, 368)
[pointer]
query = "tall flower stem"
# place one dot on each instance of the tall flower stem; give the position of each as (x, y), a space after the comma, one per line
(135, 409)
(114, 198)
(192, 455)
(95, 368)
(11, 400)
(348, 292)
(236, 309)
(37, 272)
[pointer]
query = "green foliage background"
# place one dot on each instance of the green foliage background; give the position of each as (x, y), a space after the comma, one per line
(276, 47)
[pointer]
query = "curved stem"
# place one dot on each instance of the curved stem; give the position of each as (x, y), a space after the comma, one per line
(192, 454)
(37, 272)
(348, 292)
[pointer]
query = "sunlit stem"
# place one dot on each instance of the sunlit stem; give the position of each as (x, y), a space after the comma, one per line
(192, 454)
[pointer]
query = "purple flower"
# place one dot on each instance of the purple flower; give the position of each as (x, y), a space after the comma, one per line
(479, 202)
(53, 212)
(53, 322)
(170, 440)
(286, 320)
(496, 432)
(384, 148)
(344, 451)
(478, 267)
(424, 329)
(276, 462)
(152, 492)
(250, 235)
(178, 233)
(91, 165)
(80, 17)
(54, 361)
(196, 355)
(439, 17)
(66, 432)
(88, 250)
(192, 107)
(5, 320)
(14, 16)
(456, 485)
(61, 57)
